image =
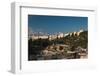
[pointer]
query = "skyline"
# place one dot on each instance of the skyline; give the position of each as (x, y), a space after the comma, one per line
(55, 24)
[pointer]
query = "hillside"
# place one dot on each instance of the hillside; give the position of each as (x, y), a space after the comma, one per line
(58, 48)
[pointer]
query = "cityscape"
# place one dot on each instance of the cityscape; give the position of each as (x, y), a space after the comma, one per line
(49, 42)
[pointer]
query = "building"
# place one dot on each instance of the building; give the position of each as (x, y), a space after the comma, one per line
(66, 34)
(60, 35)
(78, 33)
(39, 37)
(54, 36)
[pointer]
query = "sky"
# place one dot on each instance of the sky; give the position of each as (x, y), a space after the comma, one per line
(54, 24)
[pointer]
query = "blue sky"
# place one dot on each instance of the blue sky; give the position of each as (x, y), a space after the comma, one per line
(54, 24)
